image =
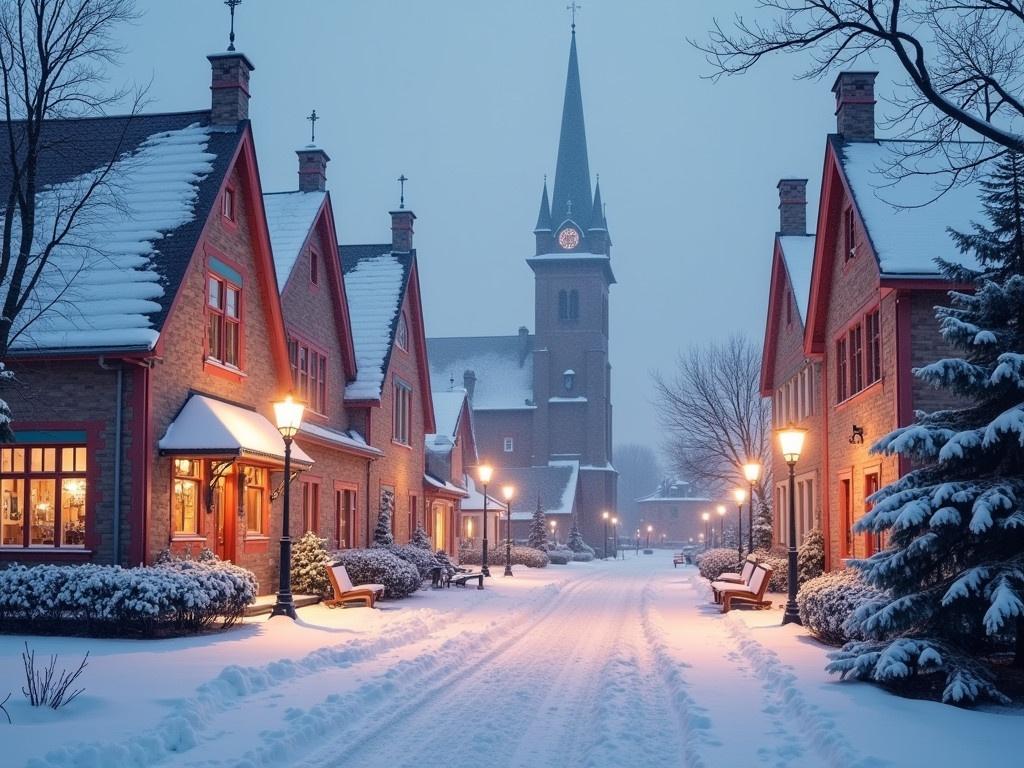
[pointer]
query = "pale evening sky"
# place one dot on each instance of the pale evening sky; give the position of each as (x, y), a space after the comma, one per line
(464, 97)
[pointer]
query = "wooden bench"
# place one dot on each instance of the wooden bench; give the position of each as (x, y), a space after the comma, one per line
(678, 558)
(461, 579)
(731, 594)
(346, 592)
(743, 577)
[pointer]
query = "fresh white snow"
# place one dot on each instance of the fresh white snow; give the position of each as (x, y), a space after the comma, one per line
(374, 290)
(100, 286)
(615, 664)
(290, 217)
(798, 256)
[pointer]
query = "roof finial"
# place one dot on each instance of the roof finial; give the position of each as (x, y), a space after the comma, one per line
(312, 117)
(232, 4)
(401, 200)
(572, 8)
(568, 207)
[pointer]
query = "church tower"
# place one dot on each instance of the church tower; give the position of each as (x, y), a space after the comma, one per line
(573, 274)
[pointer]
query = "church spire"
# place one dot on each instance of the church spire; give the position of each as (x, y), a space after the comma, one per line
(572, 197)
(597, 213)
(544, 217)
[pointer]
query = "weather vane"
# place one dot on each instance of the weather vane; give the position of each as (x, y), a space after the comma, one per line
(232, 4)
(572, 8)
(313, 117)
(401, 201)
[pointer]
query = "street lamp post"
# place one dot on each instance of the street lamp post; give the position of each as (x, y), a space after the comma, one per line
(484, 472)
(508, 491)
(706, 517)
(752, 472)
(791, 441)
(554, 538)
(288, 415)
(649, 529)
(740, 495)
(638, 542)
(721, 524)
(604, 515)
(615, 538)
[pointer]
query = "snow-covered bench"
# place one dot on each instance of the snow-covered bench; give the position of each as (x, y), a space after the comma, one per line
(751, 593)
(743, 577)
(461, 578)
(346, 592)
(678, 558)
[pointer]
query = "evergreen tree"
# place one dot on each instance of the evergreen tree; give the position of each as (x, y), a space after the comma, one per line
(382, 536)
(309, 565)
(954, 563)
(729, 536)
(576, 542)
(764, 526)
(538, 536)
(810, 557)
(420, 538)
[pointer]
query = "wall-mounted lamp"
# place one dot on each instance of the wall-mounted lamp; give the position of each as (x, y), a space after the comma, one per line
(857, 437)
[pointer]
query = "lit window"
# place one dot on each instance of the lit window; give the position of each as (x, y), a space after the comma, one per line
(255, 499)
(43, 496)
(509, 445)
(185, 497)
(223, 307)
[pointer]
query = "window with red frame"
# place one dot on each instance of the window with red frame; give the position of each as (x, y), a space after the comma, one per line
(309, 375)
(314, 267)
(223, 309)
(873, 331)
(849, 235)
(310, 506)
(856, 359)
(842, 382)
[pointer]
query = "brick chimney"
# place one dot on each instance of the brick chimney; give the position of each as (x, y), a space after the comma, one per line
(855, 105)
(793, 206)
(469, 383)
(230, 87)
(312, 169)
(524, 343)
(401, 230)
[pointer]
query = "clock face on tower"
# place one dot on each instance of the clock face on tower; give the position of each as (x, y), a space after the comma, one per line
(568, 239)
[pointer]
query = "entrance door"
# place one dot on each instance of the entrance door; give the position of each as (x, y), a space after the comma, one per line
(224, 521)
(345, 509)
(440, 538)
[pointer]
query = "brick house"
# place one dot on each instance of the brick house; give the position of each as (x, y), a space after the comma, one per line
(674, 511)
(321, 354)
(389, 402)
(145, 419)
(450, 455)
(870, 316)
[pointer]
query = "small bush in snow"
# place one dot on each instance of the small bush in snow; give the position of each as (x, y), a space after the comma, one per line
(45, 687)
(420, 538)
(576, 542)
(582, 557)
(715, 562)
(528, 556)
(309, 565)
(423, 559)
(780, 569)
(829, 600)
(810, 556)
(560, 556)
(447, 566)
(380, 566)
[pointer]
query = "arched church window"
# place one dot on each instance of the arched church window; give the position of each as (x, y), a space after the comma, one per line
(563, 305)
(574, 305)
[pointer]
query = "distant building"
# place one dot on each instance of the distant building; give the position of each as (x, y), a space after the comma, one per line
(542, 402)
(674, 512)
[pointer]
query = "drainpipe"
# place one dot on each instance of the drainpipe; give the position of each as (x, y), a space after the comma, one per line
(118, 410)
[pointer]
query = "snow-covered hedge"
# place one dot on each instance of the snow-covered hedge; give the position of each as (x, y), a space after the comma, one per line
(560, 556)
(828, 601)
(528, 556)
(310, 558)
(380, 566)
(423, 559)
(811, 556)
(715, 562)
(780, 569)
(172, 597)
(583, 557)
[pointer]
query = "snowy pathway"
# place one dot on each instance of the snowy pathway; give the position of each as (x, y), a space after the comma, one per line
(600, 665)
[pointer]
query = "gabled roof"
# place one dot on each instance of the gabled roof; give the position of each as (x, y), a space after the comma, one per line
(111, 284)
(672, 489)
(792, 260)
(448, 408)
(503, 366)
(555, 485)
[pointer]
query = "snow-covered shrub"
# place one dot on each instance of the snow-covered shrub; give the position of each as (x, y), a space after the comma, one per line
(447, 566)
(780, 569)
(423, 559)
(528, 556)
(420, 538)
(826, 602)
(310, 558)
(538, 533)
(380, 566)
(560, 556)
(810, 557)
(576, 542)
(174, 596)
(582, 557)
(715, 562)
(382, 536)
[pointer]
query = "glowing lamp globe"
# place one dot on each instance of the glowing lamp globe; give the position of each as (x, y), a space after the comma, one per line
(508, 491)
(484, 473)
(721, 510)
(740, 495)
(791, 441)
(752, 471)
(288, 415)
(705, 516)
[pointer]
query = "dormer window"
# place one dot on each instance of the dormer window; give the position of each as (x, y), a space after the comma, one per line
(227, 204)
(402, 333)
(569, 380)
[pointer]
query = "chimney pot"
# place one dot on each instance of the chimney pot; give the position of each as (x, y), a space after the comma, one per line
(229, 87)
(312, 169)
(469, 383)
(401, 230)
(524, 343)
(792, 206)
(855, 105)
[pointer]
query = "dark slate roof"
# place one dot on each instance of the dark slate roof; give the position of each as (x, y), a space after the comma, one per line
(376, 281)
(79, 146)
(555, 486)
(503, 366)
(572, 171)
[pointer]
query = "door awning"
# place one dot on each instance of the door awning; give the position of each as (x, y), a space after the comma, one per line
(209, 427)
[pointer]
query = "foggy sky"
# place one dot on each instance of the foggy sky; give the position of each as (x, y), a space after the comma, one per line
(464, 97)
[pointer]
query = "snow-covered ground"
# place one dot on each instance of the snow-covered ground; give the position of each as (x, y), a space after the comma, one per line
(593, 664)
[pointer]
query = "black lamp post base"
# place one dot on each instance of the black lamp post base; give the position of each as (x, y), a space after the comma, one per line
(486, 571)
(284, 607)
(791, 615)
(508, 570)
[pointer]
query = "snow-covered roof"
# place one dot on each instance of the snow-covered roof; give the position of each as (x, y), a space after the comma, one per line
(290, 217)
(673, 489)
(206, 426)
(348, 439)
(443, 485)
(907, 219)
(447, 407)
(474, 501)
(503, 366)
(555, 485)
(111, 281)
(798, 256)
(375, 283)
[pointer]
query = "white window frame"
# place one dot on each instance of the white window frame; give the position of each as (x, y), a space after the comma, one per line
(401, 428)
(509, 445)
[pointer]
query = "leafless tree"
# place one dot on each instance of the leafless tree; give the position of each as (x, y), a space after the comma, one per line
(639, 475)
(714, 416)
(962, 60)
(53, 55)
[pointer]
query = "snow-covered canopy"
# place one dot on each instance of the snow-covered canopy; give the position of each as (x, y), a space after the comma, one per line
(907, 219)
(290, 217)
(102, 286)
(206, 426)
(348, 439)
(798, 256)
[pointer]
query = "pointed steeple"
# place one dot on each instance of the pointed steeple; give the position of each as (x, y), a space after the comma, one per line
(544, 217)
(597, 214)
(572, 172)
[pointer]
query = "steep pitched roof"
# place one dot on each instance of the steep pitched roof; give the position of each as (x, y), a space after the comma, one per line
(290, 218)
(111, 284)
(503, 366)
(571, 198)
(798, 257)
(792, 259)
(555, 485)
